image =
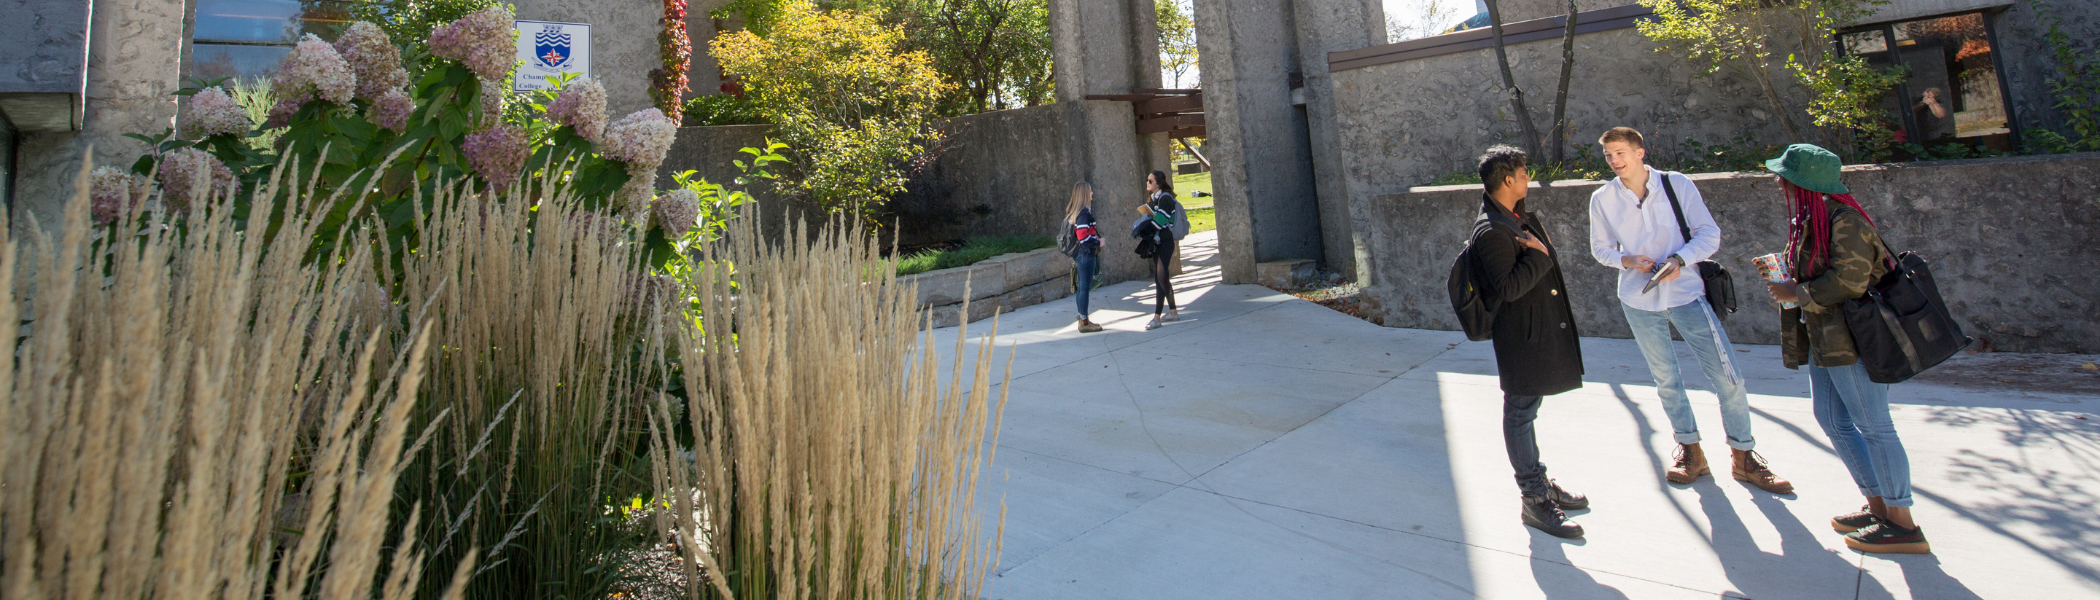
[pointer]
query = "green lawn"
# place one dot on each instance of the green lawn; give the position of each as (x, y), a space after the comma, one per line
(1202, 213)
(973, 250)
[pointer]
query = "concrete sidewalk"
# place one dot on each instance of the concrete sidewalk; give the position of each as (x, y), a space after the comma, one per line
(1266, 447)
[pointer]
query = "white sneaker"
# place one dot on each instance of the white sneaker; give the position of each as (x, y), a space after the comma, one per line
(1172, 316)
(1153, 324)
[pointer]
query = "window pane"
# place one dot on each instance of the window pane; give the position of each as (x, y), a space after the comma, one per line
(1866, 42)
(269, 21)
(1953, 83)
(212, 61)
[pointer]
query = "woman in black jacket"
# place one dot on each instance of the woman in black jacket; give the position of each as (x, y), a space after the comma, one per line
(1161, 213)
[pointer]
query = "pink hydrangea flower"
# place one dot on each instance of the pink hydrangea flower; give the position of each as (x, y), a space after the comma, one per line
(581, 106)
(640, 139)
(281, 114)
(373, 59)
(113, 193)
(212, 112)
(314, 69)
(481, 41)
(497, 153)
(391, 110)
(189, 176)
(676, 211)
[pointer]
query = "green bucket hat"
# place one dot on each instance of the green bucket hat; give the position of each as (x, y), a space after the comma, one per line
(1810, 167)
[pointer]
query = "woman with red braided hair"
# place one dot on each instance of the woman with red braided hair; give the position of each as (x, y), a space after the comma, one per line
(1834, 254)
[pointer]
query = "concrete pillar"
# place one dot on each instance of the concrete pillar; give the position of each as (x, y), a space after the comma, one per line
(134, 57)
(1258, 139)
(1332, 26)
(1108, 47)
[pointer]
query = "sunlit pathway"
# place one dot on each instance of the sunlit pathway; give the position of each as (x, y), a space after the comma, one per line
(1267, 447)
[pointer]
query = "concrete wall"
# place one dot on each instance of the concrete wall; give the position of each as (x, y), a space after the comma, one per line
(712, 151)
(134, 52)
(1002, 173)
(2009, 241)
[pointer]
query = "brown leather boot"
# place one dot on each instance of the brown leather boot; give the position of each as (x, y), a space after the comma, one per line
(1690, 465)
(1751, 467)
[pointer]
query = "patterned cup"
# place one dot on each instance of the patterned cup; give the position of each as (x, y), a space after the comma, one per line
(1772, 267)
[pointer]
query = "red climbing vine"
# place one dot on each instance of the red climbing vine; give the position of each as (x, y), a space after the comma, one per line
(667, 84)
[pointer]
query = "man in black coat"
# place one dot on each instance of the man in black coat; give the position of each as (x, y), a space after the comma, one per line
(1537, 349)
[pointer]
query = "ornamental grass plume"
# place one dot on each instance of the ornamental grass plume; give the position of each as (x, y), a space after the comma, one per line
(163, 396)
(373, 59)
(632, 199)
(581, 106)
(497, 153)
(640, 139)
(115, 193)
(676, 211)
(481, 41)
(213, 112)
(856, 482)
(314, 69)
(191, 177)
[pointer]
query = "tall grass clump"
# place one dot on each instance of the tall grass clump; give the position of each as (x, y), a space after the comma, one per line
(828, 456)
(194, 411)
(547, 340)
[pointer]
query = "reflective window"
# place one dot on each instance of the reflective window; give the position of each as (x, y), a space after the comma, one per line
(247, 38)
(1951, 92)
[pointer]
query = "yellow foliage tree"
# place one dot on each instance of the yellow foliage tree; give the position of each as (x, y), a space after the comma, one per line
(852, 106)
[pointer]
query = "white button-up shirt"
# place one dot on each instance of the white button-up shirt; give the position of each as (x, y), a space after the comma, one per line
(1622, 225)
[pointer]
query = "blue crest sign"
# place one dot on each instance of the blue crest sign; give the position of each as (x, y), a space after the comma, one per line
(547, 50)
(550, 47)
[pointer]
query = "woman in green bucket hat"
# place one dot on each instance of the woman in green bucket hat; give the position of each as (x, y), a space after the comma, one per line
(1833, 254)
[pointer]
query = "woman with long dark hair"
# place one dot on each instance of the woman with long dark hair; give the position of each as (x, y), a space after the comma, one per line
(1834, 254)
(1160, 213)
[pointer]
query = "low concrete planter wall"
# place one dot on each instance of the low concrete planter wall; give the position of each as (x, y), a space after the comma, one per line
(998, 284)
(2011, 243)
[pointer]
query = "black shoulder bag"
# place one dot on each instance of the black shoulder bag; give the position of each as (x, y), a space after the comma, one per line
(1901, 326)
(1720, 287)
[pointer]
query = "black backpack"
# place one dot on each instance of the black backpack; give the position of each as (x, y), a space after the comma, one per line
(1476, 315)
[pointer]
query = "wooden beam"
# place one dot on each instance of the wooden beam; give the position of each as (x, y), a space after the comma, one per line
(1170, 105)
(1166, 91)
(1607, 19)
(1166, 124)
(1122, 97)
(1180, 136)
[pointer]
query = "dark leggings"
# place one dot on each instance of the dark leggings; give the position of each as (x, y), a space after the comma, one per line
(1163, 277)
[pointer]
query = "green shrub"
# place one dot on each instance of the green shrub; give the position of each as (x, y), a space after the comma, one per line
(721, 109)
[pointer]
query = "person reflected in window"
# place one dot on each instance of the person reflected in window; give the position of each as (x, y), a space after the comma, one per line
(1930, 113)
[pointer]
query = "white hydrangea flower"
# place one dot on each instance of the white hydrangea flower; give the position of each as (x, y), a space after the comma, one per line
(581, 106)
(640, 139)
(114, 193)
(676, 211)
(314, 68)
(373, 59)
(212, 112)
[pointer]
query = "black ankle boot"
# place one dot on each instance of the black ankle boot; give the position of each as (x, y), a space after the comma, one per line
(1541, 514)
(1564, 499)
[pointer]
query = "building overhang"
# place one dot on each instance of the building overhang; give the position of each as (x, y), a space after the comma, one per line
(43, 63)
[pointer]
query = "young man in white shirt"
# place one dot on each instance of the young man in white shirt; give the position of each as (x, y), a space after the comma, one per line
(1634, 228)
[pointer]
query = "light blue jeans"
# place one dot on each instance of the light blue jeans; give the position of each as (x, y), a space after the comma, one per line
(1854, 412)
(1696, 322)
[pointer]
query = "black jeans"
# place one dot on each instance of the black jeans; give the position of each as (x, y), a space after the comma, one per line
(1163, 277)
(1518, 435)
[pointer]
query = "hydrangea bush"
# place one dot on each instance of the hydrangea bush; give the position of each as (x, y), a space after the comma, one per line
(349, 115)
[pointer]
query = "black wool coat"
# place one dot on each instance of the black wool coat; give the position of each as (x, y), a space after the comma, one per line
(1537, 346)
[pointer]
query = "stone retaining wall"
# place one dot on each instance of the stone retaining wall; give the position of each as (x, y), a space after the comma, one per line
(2011, 243)
(998, 284)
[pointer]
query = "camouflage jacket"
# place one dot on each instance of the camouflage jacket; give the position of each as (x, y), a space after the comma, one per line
(1857, 260)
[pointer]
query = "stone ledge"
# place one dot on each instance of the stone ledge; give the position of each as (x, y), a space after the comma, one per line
(998, 284)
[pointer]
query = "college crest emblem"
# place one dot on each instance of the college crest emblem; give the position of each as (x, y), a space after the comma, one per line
(551, 47)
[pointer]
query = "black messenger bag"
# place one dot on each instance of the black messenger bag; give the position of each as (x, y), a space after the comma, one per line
(1901, 327)
(1720, 287)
